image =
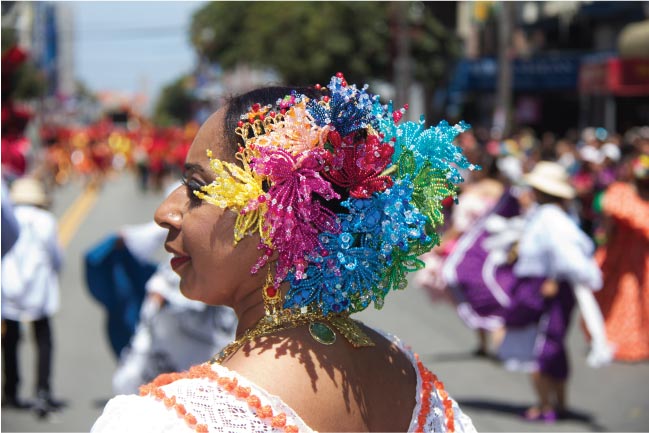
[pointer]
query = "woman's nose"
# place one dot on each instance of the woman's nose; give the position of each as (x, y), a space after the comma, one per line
(169, 214)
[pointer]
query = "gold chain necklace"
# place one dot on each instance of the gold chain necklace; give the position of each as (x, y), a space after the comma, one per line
(288, 319)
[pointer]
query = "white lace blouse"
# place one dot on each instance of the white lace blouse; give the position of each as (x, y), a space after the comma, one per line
(552, 245)
(220, 400)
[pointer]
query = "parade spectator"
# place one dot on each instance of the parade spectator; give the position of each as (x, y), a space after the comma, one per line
(553, 265)
(565, 151)
(586, 183)
(116, 277)
(141, 159)
(452, 270)
(30, 292)
(624, 259)
(480, 279)
(295, 248)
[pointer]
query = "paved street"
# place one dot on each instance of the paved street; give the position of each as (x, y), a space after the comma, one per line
(615, 398)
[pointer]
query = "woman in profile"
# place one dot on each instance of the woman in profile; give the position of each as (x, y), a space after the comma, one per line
(300, 207)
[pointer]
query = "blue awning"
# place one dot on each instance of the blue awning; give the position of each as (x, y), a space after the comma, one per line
(536, 74)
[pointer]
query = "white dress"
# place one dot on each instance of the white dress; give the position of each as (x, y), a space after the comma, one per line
(30, 270)
(215, 409)
(553, 246)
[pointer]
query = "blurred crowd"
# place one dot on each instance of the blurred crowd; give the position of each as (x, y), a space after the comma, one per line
(594, 158)
(91, 153)
(39, 142)
(548, 224)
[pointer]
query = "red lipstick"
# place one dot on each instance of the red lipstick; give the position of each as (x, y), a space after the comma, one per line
(176, 262)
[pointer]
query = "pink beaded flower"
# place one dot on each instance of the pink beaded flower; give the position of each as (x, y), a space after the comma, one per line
(294, 218)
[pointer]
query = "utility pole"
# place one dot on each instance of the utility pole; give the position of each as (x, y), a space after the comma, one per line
(502, 119)
(403, 62)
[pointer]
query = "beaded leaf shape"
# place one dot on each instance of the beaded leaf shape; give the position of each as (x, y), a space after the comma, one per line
(394, 177)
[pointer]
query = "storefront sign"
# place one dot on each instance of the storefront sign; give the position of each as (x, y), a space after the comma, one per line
(629, 77)
(615, 76)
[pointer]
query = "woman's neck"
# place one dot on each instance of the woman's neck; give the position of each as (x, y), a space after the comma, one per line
(250, 307)
(249, 313)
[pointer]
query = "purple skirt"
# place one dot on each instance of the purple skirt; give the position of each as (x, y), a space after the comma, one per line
(480, 287)
(551, 316)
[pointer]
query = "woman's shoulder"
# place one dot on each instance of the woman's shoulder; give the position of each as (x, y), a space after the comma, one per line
(326, 384)
(294, 357)
(218, 398)
(435, 409)
(204, 398)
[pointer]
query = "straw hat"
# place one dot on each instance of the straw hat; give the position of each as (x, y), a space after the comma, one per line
(550, 178)
(27, 190)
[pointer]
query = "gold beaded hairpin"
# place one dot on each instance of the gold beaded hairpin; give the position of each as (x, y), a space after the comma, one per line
(258, 121)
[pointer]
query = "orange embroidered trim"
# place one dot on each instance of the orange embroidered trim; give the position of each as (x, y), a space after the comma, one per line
(204, 371)
(430, 382)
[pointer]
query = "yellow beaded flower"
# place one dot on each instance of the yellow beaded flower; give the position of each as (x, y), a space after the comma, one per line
(238, 189)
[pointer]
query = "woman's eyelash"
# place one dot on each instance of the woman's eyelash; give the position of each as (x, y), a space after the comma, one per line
(192, 185)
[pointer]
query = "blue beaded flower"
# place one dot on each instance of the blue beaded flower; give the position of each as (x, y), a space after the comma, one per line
(340, 281)
(349, 110)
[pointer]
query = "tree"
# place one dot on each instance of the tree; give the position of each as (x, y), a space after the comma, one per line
(306, 42)
(434, 48)
(175, 104)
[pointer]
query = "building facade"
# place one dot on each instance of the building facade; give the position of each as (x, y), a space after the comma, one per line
(46, 31)
(573, 64)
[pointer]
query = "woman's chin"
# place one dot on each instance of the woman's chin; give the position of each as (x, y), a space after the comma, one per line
(188, 290)
(194, 293)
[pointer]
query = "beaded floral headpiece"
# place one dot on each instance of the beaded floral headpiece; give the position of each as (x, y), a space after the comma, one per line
(300, 154)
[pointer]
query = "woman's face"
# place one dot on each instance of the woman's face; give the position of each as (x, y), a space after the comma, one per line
(211, 268)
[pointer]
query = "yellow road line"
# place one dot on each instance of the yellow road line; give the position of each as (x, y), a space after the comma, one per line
(71, 220)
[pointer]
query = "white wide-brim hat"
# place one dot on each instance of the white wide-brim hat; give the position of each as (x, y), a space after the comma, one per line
(550, 178)
(27, 190)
